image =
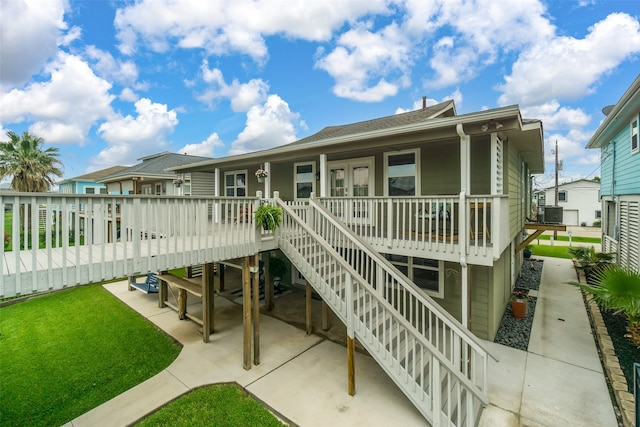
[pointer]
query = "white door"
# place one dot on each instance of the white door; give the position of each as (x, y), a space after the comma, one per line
(353, 180)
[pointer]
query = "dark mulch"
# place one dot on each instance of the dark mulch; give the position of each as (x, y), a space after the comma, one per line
(514, 332)
(626, 351)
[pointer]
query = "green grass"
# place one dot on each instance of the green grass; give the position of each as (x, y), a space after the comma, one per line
(218, 405)
(575, 239)
(66, 353)
(551, 251)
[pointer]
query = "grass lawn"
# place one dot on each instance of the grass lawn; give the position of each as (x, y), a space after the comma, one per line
(574, 239)
(66, 353)
(551, 251)
(215, 405)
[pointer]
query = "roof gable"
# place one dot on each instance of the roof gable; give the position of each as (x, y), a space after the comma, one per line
(155, 166)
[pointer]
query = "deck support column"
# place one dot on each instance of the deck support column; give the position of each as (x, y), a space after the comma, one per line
(308, 292)
(246, 312)
(351, 366)
(256, 309)
(208, 294)
(269, 294)
(325, 316)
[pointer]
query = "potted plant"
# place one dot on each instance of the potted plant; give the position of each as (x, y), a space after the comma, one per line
(527, 251)
(268, 216)
(519, 302)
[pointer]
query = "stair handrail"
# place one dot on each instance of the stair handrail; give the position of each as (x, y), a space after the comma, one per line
(442, 359)
(416, 292)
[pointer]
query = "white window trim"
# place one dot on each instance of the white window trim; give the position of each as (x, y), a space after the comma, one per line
(295, 178)
(566, 196)
(635, 132)
(439, 269)
(235, 187)
(385, 166)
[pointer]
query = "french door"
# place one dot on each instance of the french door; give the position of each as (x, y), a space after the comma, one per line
(352, 179)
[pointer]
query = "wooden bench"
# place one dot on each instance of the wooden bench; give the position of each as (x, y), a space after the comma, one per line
(183, 286)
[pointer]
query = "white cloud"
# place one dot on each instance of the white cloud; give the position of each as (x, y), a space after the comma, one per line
(134, 137)
(555, 117)
(369, 66)
(128, 95)
(206, 148)
(29, 30)
(242, 95)
(267, 126)
(232, 26)
(125, 72)
(566, 68)
(64, 108)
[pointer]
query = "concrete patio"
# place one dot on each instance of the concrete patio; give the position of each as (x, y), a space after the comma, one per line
(303, 379)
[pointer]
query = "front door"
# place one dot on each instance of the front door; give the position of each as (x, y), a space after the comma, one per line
(353, 180)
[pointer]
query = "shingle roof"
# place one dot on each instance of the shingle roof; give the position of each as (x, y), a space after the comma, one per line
(96, 175)
(156, 166)
(443, 109)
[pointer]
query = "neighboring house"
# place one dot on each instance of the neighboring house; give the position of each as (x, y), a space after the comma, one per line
(443, 196)
(152, 177)
(617, 138)
(88, 183)
(579, 200)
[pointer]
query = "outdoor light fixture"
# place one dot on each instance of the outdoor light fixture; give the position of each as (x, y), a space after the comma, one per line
(497, 125)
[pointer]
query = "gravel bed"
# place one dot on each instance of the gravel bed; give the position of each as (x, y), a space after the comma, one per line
(516, 332)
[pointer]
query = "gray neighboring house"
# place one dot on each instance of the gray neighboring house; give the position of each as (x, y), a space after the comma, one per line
(151, 177)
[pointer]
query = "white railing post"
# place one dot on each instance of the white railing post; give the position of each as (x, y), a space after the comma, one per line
(436, 396)
(389, 222)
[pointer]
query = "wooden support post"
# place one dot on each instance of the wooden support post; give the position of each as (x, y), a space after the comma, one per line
(269, 295)
(163, 292)
(221, 274)
(309, 290)
(208, 295)
(246, 311)
(325, 316)
(182, 304)
(256, 309)
(351, 366)
(216, 277)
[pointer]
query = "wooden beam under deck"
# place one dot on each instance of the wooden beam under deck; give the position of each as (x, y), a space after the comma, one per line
(539, 229)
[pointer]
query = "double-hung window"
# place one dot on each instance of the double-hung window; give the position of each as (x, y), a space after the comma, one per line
(634, 135)
(401, 172)
(235, 184)
(304, 179)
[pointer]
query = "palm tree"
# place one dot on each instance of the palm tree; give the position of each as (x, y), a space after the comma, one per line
(618, 288)
(33, 168)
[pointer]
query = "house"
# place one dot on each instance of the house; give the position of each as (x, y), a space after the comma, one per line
(87, 183)
(442, 196)
(151, 177)
(579, 200)
(617, 139)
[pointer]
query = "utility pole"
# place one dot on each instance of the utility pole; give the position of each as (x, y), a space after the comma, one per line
(555, 233)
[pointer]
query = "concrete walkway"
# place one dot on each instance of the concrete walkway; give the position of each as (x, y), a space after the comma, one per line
(559, 382)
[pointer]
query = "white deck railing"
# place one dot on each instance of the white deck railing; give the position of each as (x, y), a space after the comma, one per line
(439, 365)
(425, 223)
(54, 241)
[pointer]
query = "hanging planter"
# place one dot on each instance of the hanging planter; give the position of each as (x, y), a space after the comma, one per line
(261, 174)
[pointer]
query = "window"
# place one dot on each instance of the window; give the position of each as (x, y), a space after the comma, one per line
(89, 190)
(598, 214)
(95, 190)
(158, 189)
(304, 179)
(634, 136)
(402, 173)
(235, 184)
(562, 196)
(426, 273)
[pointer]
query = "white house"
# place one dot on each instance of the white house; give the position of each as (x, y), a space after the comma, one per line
(579, 199)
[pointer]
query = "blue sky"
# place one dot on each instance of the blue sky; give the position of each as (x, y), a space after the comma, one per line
(108, 82)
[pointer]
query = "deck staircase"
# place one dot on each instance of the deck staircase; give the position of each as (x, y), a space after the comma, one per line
(439, 365)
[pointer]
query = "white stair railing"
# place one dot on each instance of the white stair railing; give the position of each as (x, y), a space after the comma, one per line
(439, 365)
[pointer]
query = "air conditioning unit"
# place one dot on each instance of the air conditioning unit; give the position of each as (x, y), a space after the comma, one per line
(553, 215)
